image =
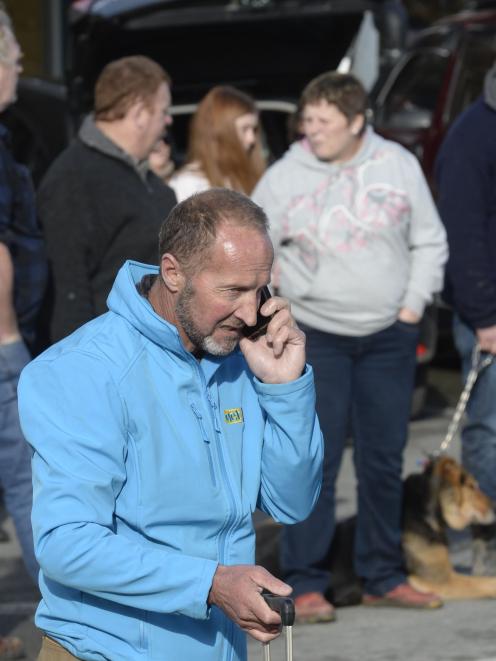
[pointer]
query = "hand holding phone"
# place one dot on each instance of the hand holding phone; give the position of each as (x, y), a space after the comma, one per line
(260, 327)
(283, 358)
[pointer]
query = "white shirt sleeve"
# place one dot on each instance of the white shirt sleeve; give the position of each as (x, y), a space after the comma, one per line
(187, 182)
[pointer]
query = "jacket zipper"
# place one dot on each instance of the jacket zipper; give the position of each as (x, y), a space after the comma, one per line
(230, 635)
(206, 441)
(222, 464)
(224, 471)
(224, 534)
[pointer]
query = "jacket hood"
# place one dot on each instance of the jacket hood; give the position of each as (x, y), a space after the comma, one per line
(125, 300)
(300, 151)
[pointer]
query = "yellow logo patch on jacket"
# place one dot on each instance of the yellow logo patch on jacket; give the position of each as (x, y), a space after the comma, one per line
(233, 416)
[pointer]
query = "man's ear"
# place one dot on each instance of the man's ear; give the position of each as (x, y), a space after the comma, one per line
(138, 113)
(172, 273)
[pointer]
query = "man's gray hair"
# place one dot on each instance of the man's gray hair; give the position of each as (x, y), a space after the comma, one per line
(6, 35)
(191, 227)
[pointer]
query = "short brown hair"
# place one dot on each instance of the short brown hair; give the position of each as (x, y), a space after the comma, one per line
(125, 81)
(191, 227)
(340, 89)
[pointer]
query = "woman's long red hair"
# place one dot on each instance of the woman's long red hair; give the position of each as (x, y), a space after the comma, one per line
(214, 143)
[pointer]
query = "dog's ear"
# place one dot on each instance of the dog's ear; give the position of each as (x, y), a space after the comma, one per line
(437, 470)
(449, 471)
(442, 471)
(451, 475)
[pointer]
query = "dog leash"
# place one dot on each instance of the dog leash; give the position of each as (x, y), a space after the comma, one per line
(479, 363)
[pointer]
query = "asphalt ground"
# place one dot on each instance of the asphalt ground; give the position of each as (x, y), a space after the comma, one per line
(462, 631)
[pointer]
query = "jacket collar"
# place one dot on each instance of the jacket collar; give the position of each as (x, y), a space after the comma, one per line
(92, 137)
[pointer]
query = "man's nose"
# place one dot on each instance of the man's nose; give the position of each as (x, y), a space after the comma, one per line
(247, 311)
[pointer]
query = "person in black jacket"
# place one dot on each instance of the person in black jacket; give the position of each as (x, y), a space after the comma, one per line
(99, 203)
(466, 183)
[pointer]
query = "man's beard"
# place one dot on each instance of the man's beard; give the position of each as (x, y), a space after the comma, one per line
(205, 342)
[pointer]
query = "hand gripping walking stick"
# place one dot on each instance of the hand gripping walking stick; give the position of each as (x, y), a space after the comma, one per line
(285, 607)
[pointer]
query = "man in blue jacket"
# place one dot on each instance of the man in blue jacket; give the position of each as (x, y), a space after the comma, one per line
(158, 428)
(466, 182)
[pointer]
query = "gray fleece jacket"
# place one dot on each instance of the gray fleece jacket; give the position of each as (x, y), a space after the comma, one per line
(354, 241)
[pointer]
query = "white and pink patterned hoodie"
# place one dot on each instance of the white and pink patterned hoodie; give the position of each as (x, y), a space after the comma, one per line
(354, 241)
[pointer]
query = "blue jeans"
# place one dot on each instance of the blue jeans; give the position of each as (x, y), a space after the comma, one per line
(364, 385)
(15, 454)
(479, 432)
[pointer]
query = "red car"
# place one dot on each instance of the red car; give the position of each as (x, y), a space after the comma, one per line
(438, 76)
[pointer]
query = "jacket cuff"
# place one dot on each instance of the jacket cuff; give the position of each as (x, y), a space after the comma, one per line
(204, 587)
(305, 380)
(414, 302)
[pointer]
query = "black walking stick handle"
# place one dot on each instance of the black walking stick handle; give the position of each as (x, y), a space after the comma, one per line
(282, 605)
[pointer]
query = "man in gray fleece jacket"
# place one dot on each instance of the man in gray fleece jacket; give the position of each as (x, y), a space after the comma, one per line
(360, 251)
(99, 203)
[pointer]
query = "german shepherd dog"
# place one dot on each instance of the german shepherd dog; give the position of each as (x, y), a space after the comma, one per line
(444, 495)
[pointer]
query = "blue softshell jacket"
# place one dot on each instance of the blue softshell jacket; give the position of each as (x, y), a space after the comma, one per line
(147, 467)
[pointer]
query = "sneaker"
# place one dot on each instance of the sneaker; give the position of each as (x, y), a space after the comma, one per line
(313, 607)
(404, 596)
(11, 648)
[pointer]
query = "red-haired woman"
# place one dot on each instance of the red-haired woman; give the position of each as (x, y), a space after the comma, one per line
(224, 145)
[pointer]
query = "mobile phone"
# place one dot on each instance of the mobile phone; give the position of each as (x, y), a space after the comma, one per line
(260, 327)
